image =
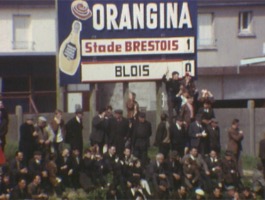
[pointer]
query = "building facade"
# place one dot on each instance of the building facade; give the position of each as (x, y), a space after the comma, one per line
(228, 32)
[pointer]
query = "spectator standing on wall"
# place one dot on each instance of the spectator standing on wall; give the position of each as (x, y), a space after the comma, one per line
(172, 88)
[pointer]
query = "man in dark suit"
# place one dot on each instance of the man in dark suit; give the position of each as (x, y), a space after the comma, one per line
(235, 137)
(178, 137)
(119, 132)
(18, 169)
(76, 162)
(64, 166)
(20, 191)
(198, 136)
(37, 166)
(162, 139)
(158, 172)
(3, 125)
(206, 113)
(28, 136)
(99, 127)
(214, 136)
(230, 172)
(142, 131)
(74, 135)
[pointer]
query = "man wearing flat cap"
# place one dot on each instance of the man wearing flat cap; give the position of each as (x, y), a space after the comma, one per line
(141, 133)
(45, 136)
(74, 128)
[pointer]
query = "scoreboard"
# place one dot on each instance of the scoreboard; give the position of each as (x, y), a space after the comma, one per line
(126, 40)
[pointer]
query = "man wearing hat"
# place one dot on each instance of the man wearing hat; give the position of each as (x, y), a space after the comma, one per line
(45, 136)
(74, 128)
(141, 133)
(27, 136)
(199, 194)
(214, 136)
(172, 88)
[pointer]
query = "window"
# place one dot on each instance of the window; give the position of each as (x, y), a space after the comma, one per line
(206, 37)
(21, 32)
(245, 23)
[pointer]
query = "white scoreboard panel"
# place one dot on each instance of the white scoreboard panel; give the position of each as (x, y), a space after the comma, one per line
(134, 70)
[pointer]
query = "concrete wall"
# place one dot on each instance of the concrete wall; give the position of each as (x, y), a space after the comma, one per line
(224, 116)
(230, 48)
(42, 29)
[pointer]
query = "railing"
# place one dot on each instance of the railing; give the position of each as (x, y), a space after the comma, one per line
(12, 99)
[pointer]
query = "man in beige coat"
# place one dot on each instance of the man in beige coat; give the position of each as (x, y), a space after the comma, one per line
(235, 137)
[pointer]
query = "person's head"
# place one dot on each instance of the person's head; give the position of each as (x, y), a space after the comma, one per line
(214, 123)
(37, 155)
(79, 113)
(206, 105)
(199, 193)
(22, 183)
(42, 121)
(213, 154)
(182, 190)
(194, 152)
(231, 191)
(132, 95)
(58, 114)
(29, 120)
(19, 155)
(102, 111)
(228, 155)
(141, 117)
(109, 109)
(112, 150)
(118, 113)
(127, 152)
(87, 153)
(75, 152)
(65, 152)
(137, 163)
(246, 192)
(6, 178)
(163, 117)
(235, 123)
(160, 158)
(175, 75)
(217, 192)
(37, 179)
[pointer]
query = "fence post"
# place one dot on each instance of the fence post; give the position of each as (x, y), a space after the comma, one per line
(19, 115)
(252, 135)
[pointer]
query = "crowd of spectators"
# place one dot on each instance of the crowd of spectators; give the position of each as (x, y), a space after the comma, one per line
(189, 163)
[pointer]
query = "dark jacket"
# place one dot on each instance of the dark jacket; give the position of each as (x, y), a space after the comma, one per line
(98, 134)
(141, 134)
(74, 135)
(193, 130)
(262, 149)
(214, 138)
